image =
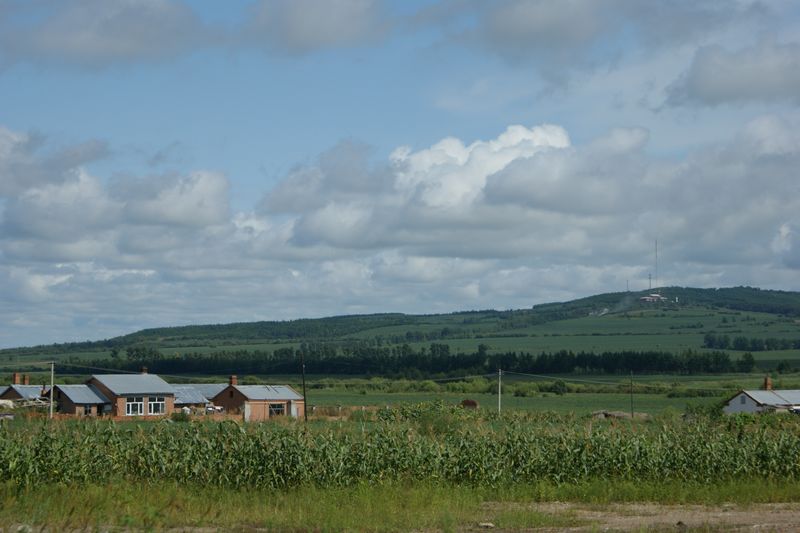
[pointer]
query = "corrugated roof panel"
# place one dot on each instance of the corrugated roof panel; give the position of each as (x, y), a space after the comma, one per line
(775, 397)
(28, 392)
(268, 392)
(765, 397)
(128, 384)
(189, 395)
(790, 396)
(83, 394)
(209, 390)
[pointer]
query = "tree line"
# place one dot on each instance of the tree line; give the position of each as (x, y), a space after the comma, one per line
(751, 344)
(436, 359)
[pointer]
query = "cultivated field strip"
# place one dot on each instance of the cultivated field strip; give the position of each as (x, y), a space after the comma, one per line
(441, 447)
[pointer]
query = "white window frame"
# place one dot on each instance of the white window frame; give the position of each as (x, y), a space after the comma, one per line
(87, 410)
(134, 406)
(156, 405)
(277, 409)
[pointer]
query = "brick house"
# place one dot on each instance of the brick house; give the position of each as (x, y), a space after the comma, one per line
(260, 402)
(135, 394)
(80, 400)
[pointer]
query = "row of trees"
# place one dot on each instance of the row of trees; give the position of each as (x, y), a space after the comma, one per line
(752, 344)
(406, 361)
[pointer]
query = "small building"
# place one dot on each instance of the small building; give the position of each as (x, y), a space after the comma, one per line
(80, 400)
(135, 394)
(760, 401)
(23, 392)
(187, 395)
(21, 389)
(652, 298)
(260, 402)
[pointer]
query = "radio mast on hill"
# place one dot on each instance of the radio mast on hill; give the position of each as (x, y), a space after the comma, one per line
(656, 264)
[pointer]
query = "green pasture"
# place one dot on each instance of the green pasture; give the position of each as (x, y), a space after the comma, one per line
(579, 404)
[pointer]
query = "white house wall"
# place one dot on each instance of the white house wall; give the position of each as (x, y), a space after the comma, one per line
(735, 405)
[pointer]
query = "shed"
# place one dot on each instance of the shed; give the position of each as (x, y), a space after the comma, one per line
(80, 400)
(207, 390)
(23, 392)
(260, 402)
(188, 395)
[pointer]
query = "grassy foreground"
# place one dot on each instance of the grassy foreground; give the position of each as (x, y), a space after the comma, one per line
(382, 507)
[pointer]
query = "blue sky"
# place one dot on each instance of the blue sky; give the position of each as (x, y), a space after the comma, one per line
(167, 162)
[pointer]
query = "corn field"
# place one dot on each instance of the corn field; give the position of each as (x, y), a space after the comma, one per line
(443, 445)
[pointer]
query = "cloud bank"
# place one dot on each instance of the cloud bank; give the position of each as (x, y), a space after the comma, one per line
(522, 218)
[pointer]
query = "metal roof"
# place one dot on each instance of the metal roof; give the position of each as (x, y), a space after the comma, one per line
(27, 392)
(775, 397)
(83, 394)
(129, 384)
(189, 395)
(789, 396)
(209, 390)
(268, 392)
(3, 389)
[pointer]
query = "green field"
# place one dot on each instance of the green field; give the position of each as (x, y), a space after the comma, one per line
(579, 404)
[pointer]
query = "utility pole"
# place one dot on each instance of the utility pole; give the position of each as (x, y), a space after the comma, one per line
(303, 370)
(52, 380)
(631, 395)
(499, 388)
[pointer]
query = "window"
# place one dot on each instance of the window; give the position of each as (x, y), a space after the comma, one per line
(134, 406)
(277, 409)
(742, 399)
(87, 410)
(156, 406)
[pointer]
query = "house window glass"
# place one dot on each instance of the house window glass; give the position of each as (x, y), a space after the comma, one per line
(277, 409)
(87, 410)
(156, 406)
(742, 399)
(134, 406)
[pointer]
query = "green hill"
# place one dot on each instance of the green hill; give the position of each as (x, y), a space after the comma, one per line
(606, 321)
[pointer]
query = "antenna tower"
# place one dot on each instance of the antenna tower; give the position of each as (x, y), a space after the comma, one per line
(656, 263)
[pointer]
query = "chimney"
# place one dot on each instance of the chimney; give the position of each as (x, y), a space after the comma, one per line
(143, 370)
(15, 378)
(767, 382)
(233, 380)
(26, 380)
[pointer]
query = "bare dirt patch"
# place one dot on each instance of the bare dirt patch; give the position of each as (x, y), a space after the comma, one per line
(650, 516)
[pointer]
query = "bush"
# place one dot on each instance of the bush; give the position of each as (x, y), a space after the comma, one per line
(180, 416)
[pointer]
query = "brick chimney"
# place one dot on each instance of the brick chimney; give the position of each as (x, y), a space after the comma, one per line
(767, 382)
(233, 380)
(26, 379)
(15, 378)
(143, 370)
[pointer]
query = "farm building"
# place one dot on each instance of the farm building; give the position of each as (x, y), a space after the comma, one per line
(21, 389)
(260, 402)
(80, 400)
(759, 401)
(22, 392)
(191, 396)
(135, 394)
